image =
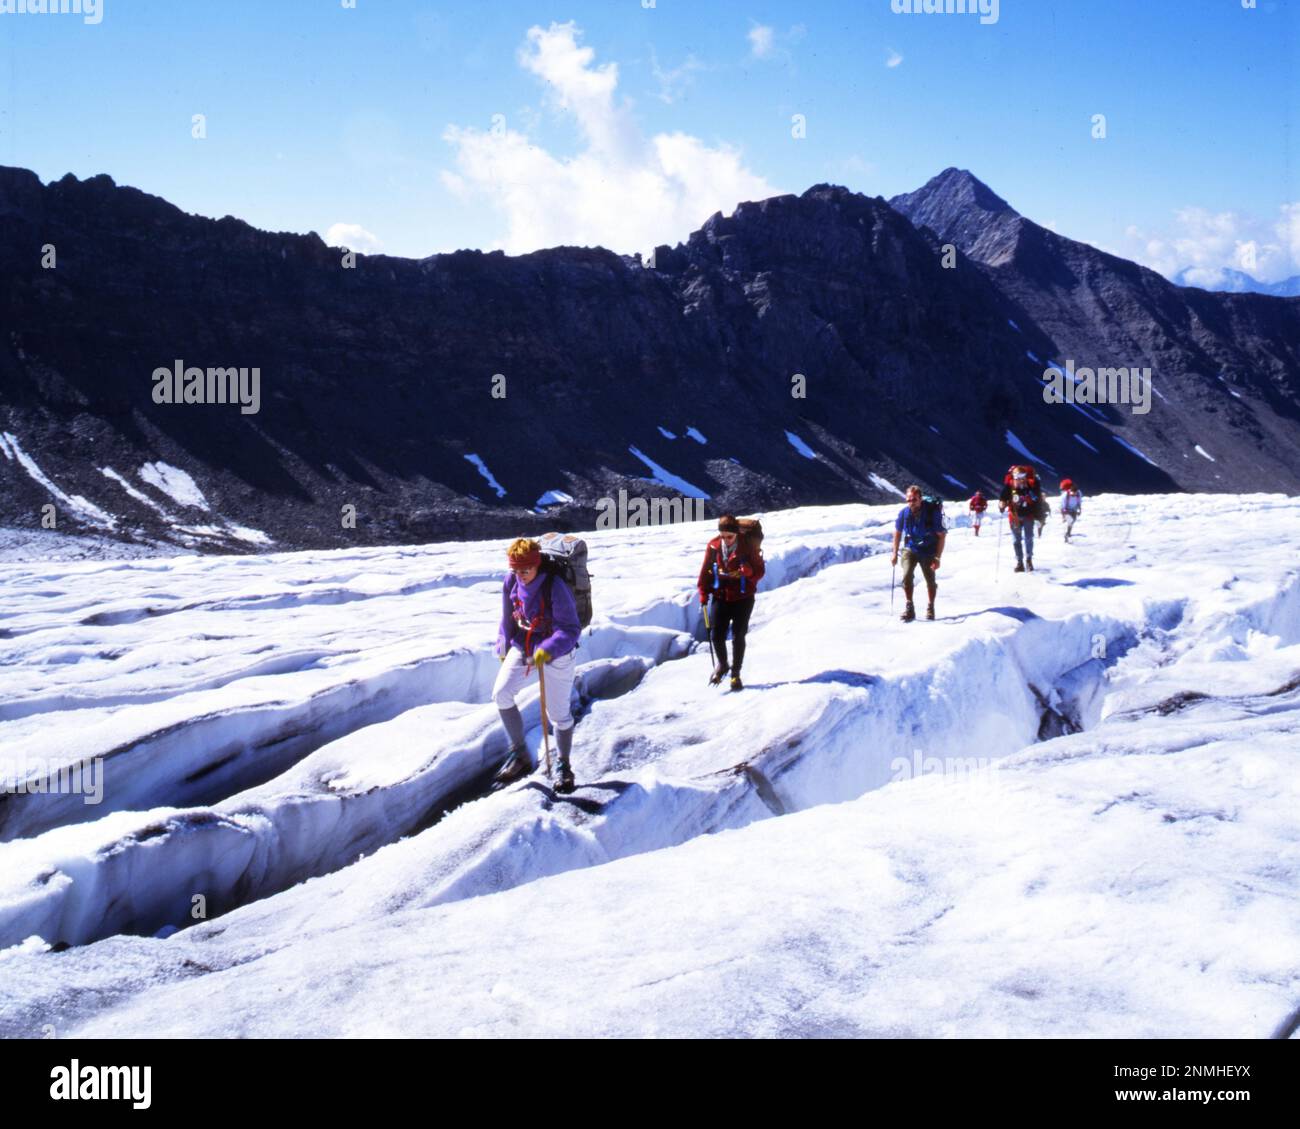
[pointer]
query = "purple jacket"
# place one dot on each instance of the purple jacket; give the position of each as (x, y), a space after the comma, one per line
(557, 631)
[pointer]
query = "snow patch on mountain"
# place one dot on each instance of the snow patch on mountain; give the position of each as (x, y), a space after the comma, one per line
(1129, 447)
(554, 498)
(138, 495)
(668, 478)
(175, 483)
(1016, 445)
(481, 467)
(800, 446)
(80, 508)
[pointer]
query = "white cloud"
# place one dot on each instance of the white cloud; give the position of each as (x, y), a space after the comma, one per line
(1288, 230)
(1207, 243)
(354, 237)
(893, 59)
(766, 42)
(672, 83)
(619, 190)
(761, 41)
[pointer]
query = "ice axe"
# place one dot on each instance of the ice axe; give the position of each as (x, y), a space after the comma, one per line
(997, 563)
(546, 734)
(708, 630)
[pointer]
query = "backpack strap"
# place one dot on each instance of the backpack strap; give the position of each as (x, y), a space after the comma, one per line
(540, 618)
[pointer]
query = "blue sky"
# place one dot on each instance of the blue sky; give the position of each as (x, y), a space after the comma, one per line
(626, 125)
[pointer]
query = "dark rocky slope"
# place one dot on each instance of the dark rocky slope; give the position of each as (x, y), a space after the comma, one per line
(376, 382)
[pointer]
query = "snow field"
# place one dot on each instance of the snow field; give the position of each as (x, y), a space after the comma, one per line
(1136, 877)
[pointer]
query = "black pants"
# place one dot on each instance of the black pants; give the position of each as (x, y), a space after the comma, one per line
(736, 616)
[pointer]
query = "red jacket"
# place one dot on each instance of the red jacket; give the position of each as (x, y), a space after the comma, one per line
(730, 590)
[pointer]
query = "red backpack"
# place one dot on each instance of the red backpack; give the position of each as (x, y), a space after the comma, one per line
(751, 539)
(1029, 474)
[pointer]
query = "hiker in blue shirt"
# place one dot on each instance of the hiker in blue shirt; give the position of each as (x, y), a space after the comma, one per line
(920, 527)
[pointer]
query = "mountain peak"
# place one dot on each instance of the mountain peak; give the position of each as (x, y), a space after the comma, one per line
(965, 185)
(960, 208)
(954, 192)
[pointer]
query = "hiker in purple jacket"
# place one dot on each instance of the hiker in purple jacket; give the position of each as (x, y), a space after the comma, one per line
(539, 628)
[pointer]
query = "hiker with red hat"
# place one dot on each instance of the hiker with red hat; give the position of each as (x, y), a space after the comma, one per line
(1071, 505)
(538, 634)
(733, 566)
(978, 504)
(1020, 500)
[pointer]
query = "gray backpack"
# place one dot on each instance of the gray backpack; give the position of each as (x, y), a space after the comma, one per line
(565, 555)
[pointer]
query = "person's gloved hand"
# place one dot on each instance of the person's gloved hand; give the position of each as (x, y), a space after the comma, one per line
(541, 656)
(704, 599)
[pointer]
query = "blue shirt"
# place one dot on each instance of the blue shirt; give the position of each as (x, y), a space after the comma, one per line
(920, 534)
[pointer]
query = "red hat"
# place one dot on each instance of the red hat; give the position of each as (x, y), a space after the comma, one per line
(1067, 484)
(530, 559)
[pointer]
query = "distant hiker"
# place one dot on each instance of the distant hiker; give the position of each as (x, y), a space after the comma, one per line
(733, 566)
(1071, 505)
(539, 631)
(978, 504)
(1042, 512)
(1020, 500)
(919, 526)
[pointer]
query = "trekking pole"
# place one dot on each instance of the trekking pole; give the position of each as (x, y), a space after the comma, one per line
(893, 580)
(708, 630)
(997, 564)
(546, 736)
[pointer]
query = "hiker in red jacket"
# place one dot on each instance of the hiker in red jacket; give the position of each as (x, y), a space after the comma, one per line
(1020, 501)
(978, 504)
(733, 566)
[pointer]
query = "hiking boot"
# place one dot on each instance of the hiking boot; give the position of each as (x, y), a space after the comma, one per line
(929, 611)
(1029, 567)
(736, 683)
(1019, 568)
(909, 613)
(564, 783)
(518, 764)
(719, 673)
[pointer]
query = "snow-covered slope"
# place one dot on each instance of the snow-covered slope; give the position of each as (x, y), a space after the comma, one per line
(1067, 806)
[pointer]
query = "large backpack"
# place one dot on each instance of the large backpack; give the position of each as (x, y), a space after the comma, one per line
(932, 515)
(1027, 489)
(751, 539)
(932, 508)
(565, 555)
(1031, 476)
